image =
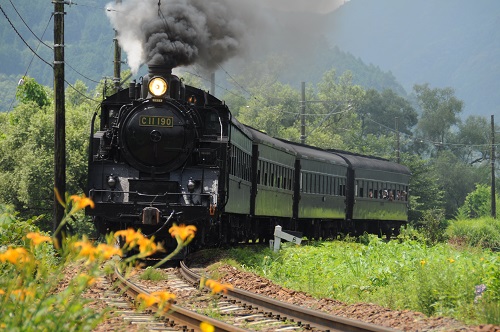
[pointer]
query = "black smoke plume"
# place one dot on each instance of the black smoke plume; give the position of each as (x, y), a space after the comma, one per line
(182, 32)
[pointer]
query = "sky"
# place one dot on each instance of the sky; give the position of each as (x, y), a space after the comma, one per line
(314, 6)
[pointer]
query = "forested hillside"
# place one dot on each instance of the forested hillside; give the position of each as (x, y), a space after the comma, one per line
(89, 49)
(88, 44)
(446, 43)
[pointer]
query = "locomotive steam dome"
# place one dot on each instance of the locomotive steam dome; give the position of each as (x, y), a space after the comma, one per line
(157, 137)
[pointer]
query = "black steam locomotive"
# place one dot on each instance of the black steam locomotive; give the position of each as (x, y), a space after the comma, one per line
(166, 152)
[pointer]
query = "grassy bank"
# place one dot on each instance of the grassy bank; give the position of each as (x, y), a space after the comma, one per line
(403, 274)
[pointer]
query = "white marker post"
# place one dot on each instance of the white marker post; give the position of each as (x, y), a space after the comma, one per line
(279, 235)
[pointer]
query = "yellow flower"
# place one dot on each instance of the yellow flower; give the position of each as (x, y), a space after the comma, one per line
(451, 260)
(37, 238)
(206, 327)
(15, 256)
(87, 249)
(107, 251)
(165, 299)
(217, 287)
(163, 296)
(2, 292)
(183, 232)
(147, 300)
(82, 202)
(22, 293)
(147, 246)
(422, 262)
(130, 235)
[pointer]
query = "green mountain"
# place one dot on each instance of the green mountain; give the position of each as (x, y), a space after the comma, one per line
(446, 43)
(88, 44)
(89, 48)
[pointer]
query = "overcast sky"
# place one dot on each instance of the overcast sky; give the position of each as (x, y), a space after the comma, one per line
(316, 6)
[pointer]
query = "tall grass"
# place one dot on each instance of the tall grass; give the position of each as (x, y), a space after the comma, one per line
(481, 232)
(408, 274)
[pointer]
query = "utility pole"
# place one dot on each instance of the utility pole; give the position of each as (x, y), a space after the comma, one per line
(59, 115)
(303, 114)
(397, 141)
(493, 194)
(212, 83)
(118, 59)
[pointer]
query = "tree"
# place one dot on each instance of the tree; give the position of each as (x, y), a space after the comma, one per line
(477, 203)
(456, 179)
(336, 123)
(29, 90)
(26, 156)
(425, 192)
(379, 112)
(473, 141)
(272, 109)
(440, 111)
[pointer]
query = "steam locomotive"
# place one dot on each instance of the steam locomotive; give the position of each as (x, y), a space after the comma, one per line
(166, 152)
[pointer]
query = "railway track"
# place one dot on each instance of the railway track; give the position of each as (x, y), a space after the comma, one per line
(238, 310)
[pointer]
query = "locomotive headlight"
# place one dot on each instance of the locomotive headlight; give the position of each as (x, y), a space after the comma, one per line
(191, 185)
(158, 86)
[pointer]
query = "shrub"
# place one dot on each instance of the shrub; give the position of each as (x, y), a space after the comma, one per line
(433, 225)
(477, 203)
(483, 232)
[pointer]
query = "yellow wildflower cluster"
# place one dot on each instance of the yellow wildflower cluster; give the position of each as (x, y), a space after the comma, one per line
(20, 294)
(37, 238)
(163, 299)
(183, 233)
(134, 239)
(218, 287)
(16, 256)
(79, 202)
(102, 251)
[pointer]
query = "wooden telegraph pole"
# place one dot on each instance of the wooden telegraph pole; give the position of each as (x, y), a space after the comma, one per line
(398, 158)
(59, 114)
(118, 59)
(493, 194)
(303, 114)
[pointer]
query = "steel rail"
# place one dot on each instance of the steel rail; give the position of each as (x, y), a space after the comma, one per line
(316, 319)
(179, 315)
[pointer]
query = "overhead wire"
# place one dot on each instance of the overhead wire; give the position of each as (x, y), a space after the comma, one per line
(424, 140)
(24, 41)
(41, 42)
(27, 26)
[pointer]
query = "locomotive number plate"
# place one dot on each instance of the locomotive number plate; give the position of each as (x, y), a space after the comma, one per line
(156, 121)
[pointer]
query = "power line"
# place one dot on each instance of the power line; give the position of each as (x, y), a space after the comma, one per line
(82, 94)
(24, 41)
(29, 27)
(76, 71)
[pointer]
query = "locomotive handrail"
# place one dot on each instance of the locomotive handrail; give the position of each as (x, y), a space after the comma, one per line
(145, 195)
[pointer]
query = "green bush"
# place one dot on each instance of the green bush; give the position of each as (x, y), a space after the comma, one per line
(433, 225)
(477, 203)
(482, 232)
